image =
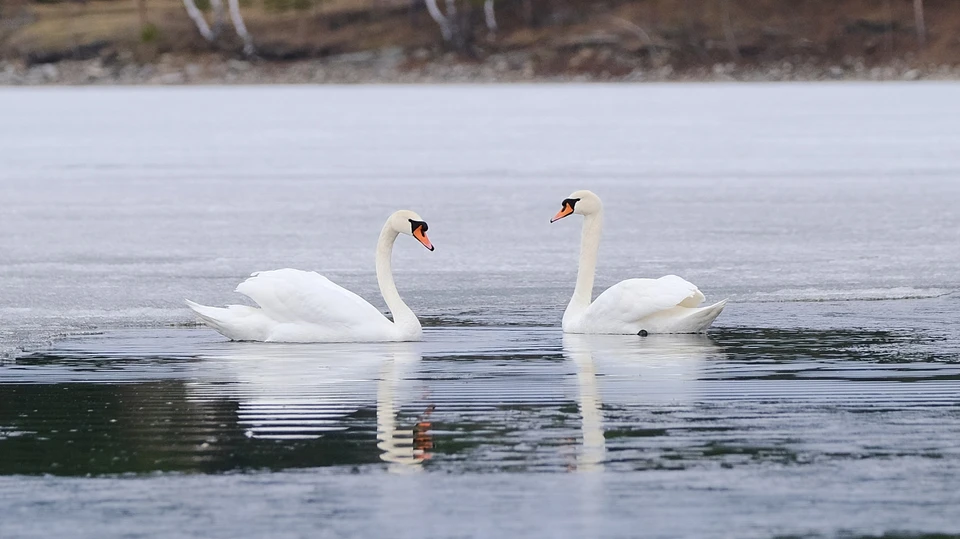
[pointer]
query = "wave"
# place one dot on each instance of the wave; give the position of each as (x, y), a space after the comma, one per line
(853, 294)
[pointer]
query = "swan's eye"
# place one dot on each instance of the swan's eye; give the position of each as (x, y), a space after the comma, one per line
(414, 225)
(570, 202)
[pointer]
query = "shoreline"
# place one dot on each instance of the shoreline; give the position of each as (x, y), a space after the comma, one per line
(396, 66)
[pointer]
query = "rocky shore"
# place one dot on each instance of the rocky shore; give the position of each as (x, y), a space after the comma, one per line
(396, 65)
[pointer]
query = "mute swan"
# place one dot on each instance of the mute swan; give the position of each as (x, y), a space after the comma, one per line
(304, 306)
(635, 306)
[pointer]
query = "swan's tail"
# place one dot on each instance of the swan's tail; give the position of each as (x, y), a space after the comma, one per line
(235, 322)
(701, 318)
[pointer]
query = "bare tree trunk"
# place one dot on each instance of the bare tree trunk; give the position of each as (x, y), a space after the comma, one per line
(446, 29)
(142, 14)
(198, 19)
(728, 30)
(920, 24)
(217, 6)
(639, 32)
(241, 28)
(451, 9)
(490, 16)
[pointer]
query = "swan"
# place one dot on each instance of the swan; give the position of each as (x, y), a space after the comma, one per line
(635, 306)
(304, 306)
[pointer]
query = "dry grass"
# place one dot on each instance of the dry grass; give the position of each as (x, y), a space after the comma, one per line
(690, 32)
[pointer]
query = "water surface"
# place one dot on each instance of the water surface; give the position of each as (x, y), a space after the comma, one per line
(826, 401)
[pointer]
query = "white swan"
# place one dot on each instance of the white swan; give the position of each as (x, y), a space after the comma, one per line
(304, 306)
(635, 306)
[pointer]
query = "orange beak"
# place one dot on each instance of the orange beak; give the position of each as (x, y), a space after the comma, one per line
(566, 210)
(422, 238)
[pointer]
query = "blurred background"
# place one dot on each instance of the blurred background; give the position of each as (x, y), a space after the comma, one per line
(249, 41)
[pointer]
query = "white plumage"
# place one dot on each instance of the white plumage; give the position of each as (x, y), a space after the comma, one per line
(665, 305)
(304, 306)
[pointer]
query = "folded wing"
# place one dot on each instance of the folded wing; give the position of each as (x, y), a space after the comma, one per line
(635, 299)
(306, 297)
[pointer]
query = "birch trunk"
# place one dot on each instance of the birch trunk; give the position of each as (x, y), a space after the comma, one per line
(198, 19)
(490, 16)
(445, 27)
(142, 13)
(241, 28)
(728, 30)
(217, 7)
(920, 23)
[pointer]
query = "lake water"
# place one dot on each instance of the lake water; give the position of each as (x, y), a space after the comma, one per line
(824, 402)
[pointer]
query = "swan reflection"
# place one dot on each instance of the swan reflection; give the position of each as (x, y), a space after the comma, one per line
(630, 370)
(303, 391)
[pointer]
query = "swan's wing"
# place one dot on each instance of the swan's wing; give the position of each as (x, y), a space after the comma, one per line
(634, 299)
(294, 296)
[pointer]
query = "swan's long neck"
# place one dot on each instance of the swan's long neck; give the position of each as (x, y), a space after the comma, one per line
(403, 318)
(589, 247)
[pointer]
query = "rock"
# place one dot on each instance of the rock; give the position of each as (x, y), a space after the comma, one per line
(912, 74)
(836, 72)
(170, 78)
(50, 72)
(95, 71)
(193, 71)
(34, 76)
(353, 58)
(238, 65)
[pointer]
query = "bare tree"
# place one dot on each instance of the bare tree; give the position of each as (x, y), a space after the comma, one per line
(142, 14)
(920, 24)
(490, 16)
(217, 7)
(197, 16)
(637, 30)
(446, 25)
(241, 28)
(728, 30)
(211, 35)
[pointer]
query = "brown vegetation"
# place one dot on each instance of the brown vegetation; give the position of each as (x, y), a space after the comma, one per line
(614, 36)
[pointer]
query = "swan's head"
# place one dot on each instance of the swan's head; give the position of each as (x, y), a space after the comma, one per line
(583, 202)
(408, 222)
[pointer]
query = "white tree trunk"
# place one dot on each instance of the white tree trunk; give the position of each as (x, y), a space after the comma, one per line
(241, 28)
(490, 16)
(437, 15)
(639, 32)
(198, 19)
(728, 30)
(217, 7)
(921, 25)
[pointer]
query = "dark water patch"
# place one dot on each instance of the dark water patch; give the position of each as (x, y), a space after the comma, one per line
(502, 400)
(880, 346)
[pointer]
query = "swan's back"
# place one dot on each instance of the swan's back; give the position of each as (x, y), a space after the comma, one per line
(297, 306)
(669, 304)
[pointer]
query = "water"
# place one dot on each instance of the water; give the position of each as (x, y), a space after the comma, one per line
(826, 401)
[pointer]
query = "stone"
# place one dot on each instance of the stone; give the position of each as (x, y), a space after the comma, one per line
(238, 65)
(193, 71)
(50, 72)
(171, 78)
(912, 74)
